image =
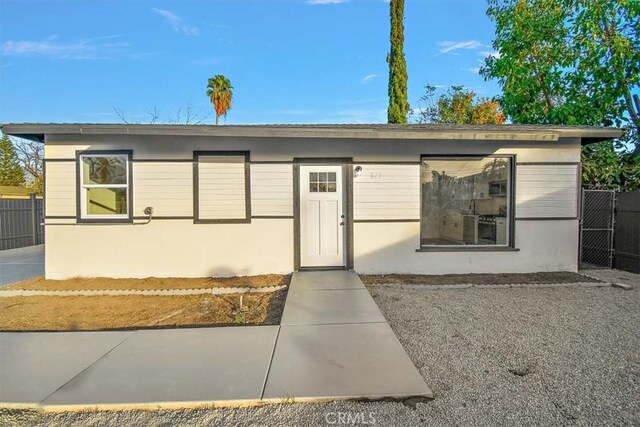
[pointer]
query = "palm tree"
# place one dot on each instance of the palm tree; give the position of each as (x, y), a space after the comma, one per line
(220, 92)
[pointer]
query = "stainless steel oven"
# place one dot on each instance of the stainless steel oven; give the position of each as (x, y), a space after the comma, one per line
(486, 230)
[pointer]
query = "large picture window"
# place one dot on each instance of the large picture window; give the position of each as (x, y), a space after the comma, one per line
(104, 186)
(466, 201)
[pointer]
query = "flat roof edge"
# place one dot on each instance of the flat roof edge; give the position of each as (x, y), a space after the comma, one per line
(36, 131)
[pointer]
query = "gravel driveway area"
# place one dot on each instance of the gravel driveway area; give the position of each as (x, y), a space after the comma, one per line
(552, 356)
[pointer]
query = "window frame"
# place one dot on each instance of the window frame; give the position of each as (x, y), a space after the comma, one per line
(196, 187)
(511, 194)
(81, 215)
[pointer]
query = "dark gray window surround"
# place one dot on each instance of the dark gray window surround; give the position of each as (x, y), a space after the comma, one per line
(247, 181)
(512, 206)
(125, 220)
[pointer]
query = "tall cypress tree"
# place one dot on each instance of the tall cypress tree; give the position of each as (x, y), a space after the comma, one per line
(398, 104)
(11, 173)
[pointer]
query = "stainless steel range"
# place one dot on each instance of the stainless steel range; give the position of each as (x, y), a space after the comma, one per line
(486, 230)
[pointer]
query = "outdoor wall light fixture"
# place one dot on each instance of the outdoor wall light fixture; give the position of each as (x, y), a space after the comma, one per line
(358, 171)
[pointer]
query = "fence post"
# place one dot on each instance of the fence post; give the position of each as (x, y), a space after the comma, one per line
(34, 218)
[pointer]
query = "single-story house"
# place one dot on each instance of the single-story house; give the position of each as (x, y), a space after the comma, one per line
(127, 200)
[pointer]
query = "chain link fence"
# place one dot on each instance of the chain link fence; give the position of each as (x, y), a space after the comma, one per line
(597, 228)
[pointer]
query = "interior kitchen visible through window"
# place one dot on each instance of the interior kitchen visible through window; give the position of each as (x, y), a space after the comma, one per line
(465, 201)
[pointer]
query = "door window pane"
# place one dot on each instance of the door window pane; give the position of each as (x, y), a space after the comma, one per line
(465, 201)
(322, 182)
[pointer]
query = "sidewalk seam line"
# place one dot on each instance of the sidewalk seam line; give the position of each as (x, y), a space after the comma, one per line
(87, 367)
(335, 323)
(273, 352)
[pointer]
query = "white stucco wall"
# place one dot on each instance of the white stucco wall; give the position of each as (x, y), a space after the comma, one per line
(180, 248)
(381, 248)
(169, 248)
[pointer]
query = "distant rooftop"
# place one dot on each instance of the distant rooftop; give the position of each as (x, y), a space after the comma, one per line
(588, 134)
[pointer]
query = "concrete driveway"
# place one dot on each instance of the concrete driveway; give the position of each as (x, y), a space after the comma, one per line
(21, 264)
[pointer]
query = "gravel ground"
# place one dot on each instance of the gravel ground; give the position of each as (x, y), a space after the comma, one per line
(476, 279)
(614, 276)
(553, 356)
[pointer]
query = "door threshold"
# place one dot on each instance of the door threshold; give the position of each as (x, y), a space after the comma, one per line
(343, 268)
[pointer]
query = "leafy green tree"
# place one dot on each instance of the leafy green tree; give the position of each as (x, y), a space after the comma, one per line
(574, 62)
(611, 165)
(398, 104)
(220, 93)
(11, 172)
(457, 106)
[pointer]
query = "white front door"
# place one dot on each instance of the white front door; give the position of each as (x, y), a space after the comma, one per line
(322, 217)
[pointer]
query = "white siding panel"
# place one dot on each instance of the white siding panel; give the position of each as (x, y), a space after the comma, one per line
(387, 192)
(60, 189)
(547, 191)
(221, 187)
(271, 190)
(167, 187)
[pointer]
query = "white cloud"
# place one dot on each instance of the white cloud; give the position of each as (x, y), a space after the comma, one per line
(474, 70)
(176, 21)
(368, 78)
(94, 48)
(326, 1)
(450, 46)
(487, 53)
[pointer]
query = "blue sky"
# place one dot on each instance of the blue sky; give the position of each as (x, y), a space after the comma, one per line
(290, 61)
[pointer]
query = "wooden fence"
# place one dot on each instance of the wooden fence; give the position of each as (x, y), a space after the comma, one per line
(21, 222)
(627, 232)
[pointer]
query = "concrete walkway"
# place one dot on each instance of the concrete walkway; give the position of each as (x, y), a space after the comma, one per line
(21, 264)
(333, 343)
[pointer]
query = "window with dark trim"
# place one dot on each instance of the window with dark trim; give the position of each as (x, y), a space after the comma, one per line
(221, 187)
(104, 186)
(466, 202)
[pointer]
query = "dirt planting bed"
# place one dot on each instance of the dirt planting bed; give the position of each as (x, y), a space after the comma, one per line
(70, 313)
(105, 283)
(477, 279)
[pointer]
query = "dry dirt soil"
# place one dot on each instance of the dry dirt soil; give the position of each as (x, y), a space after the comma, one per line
(104, 283)
(70, 313)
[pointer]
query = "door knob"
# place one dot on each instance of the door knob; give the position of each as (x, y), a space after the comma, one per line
(341, 216)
